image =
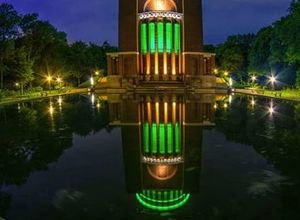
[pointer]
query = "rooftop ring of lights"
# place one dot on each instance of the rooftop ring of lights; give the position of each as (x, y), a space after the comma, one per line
(162, 205)
(162, 161)
(161, 14)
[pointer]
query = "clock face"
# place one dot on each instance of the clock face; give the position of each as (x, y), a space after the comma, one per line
(160, 5)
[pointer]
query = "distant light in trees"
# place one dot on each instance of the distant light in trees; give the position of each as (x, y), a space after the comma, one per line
(253, 78)
(49, 78)
(226, 73)
(272, 79)
(59, 80)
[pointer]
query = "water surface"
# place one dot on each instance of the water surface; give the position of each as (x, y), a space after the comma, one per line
(150, 156)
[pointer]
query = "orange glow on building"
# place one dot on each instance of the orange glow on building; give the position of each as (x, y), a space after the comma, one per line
(160, 5)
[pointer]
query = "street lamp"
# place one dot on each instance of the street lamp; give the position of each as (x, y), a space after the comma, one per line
(253, 78)
(272, 80)
(226, 73)
(49, 79)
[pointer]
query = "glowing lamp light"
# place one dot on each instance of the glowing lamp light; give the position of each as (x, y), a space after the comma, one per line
(17, 84)
(59, 80)
(225, 105)
(92, 81)
(97, 73)
(215, 106)
(272, 79)
(216, 71)
(253, 78)
(226, 73)
(49, 78)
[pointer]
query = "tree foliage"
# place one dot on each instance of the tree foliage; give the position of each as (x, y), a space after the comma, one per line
(272, 50)
(32, 49)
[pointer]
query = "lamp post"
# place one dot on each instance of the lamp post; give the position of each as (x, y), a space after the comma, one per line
(49, 79)
(272, 80)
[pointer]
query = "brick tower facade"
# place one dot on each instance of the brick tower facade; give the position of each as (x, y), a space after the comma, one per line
(161, 41)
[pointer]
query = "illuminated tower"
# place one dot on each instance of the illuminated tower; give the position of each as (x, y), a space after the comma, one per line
(161, 40)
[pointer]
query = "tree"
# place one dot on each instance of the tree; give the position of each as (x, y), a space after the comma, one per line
(233, 54)
(78, 60)
(9, 21)
(23, 69)
(260, 51)
(7, 50)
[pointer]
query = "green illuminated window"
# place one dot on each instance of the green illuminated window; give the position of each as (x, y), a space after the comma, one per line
(177, 37)
(160, 37)
(144, 38)
(163, 200)
(152, 37)
(177, 138)
(154, 138)
(169, 37)
(146, 138)
(170, 139)
(162, 139)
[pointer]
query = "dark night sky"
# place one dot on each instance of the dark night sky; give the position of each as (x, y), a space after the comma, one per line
(96, 20)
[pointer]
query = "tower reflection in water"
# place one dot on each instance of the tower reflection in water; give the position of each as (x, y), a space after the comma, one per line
(162, 138)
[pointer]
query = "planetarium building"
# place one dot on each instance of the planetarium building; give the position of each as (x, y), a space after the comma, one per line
(161, 42)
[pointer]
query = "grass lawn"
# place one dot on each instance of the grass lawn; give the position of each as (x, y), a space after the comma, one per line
(15, 97)
(293, 94)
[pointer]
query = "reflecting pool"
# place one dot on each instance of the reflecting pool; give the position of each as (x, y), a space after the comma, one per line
(150, 156)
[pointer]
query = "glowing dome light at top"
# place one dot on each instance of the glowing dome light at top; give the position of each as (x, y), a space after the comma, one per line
(160, 5)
